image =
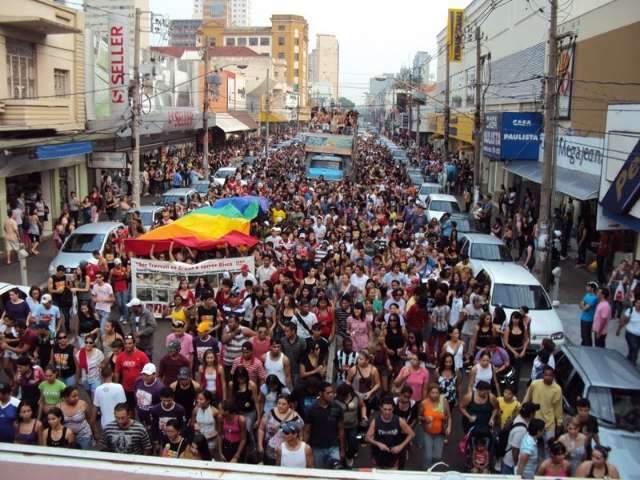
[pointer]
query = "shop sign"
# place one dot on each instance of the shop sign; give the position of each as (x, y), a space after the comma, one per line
(455, 34)
(118, 68)
(491, 140)
(512, 135)
(565, 80)
(624, 191)
(154, 282)
(180, 120)
(583, 154)
(108, 160)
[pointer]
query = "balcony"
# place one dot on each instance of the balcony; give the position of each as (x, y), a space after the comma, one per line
(27, 114)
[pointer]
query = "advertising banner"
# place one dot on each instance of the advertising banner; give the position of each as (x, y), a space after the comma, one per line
(334, 144)
(118, 67)
(491, 136)
(565, 80)
(455, 34)
(155, 282)
(624, 191)
(582, 154)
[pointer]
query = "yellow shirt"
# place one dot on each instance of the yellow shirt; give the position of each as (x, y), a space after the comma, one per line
(549, 397)
(507, 409)
(278, 215)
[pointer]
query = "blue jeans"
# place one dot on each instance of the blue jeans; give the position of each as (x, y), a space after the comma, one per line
(433, 446)
(506, 469)
(90, 386)
(326, 457)
(633, 342)
(122, 298)
(85, 443)
(102, 317)
(69, 381)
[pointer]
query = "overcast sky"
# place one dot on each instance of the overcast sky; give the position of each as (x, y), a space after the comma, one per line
(376, 36)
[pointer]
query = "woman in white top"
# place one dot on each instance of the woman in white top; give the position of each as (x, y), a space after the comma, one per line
(204, 419)
(293, 452)
(631, 319)
(484, 371)
(455, 347)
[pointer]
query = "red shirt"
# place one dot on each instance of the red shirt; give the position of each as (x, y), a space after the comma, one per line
(415, 318)
(92, 269)
(129, 367)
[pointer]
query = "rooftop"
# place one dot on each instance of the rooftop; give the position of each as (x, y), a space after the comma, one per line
(213, 51)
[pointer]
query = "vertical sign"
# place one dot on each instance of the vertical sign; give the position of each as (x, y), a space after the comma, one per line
(455, 35)
(491, 135)
(565, 80)
(118, 68)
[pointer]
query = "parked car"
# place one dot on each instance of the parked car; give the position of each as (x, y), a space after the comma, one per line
(150, 215)
(465, 222)
(201, 186)
(612, 385)
(482, 248)
(437, 204)
(173, 195)
(511, 287)
(426, 189)
(80, 245)
(221, 175)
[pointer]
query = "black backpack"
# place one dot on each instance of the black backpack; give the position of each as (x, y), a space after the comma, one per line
(502, 445)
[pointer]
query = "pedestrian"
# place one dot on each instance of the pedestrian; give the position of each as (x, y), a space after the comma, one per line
(103, 298)
(142, 326)
(324, 429)
(436, 422)
(389, 435)
(630, 321)
(293, 452)
(528, 457)
(107, 395)
(601, 318)
(588, 307)
(598, 466)
(11, 237)
(124, 434)
(548, 394)
(128, 367)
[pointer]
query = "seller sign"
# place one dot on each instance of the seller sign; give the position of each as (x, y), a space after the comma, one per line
(512, 135)
(118, 68)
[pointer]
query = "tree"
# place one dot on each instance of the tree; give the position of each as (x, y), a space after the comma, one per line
(346, 103)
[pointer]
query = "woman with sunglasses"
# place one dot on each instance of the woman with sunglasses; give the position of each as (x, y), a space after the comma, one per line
(90, 360)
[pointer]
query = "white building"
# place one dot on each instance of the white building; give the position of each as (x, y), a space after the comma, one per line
(325, 62)
(422, 66)
(239, 13)
(197, 10)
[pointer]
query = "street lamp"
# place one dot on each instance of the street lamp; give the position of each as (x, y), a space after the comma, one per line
(210, 78)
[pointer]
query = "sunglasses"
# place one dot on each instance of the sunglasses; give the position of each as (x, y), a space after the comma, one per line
(62, 337)
(89, 342)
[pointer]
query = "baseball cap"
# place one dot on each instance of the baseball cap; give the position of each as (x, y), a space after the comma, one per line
(593, 285)
(183, 373)
(174, 346)
(290, 427)
(47, 298)
(149, 369)
(134, 302)
(244, 268)
(302, 235)
(177, 323)
(204, 327)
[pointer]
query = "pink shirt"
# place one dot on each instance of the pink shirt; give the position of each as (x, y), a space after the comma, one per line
(186, 344)
(416, 380)
(602, 317)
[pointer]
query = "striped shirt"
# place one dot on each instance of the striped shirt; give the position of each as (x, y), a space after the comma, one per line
(133, 439)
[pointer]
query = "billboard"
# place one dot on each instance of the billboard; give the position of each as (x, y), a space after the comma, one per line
(565, 80)
(491, 136)
(334, 144)
(512, 135)
(455, 34)
(118, 66)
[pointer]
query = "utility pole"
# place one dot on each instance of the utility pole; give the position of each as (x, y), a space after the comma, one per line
(205, 112)
(418, 123)
(268, 106)
(546, 191)
(135, 115)
(477, 122)
(447, 112)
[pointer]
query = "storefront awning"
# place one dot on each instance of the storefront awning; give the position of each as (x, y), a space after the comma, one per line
(579, 185)
(230, 124)
(273, 118)
(245, 118)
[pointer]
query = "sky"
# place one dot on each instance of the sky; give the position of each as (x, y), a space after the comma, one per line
(375, 36)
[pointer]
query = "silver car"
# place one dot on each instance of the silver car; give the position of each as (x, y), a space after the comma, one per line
(80, 245)
(612, 385)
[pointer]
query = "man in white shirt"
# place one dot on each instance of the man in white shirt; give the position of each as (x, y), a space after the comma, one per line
(107, 396)
(304, 319)
(265, 270)
(243, 276)
(103, 298)
(275, 238)
(359, 279)
(516, 434)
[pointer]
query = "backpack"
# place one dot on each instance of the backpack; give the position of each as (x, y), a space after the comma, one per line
(502, 444)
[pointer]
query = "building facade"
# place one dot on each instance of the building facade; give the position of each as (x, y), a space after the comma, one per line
(42, 111)
(324, 63)
(239, 13)
(422, 67)
(183, 33)
(290, 42)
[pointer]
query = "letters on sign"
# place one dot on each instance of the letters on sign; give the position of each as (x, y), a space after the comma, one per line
(624, 192)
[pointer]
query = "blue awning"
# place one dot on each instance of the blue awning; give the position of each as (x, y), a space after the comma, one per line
(579, 185)
(49, 152)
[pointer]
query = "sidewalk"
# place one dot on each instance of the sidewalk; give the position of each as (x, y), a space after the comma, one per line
(37, 266)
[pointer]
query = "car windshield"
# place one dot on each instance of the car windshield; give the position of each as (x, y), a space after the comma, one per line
(463, 225)
(427, 189)
(202, 187)
(515, 296)
(170, 199)
(616, 406)
(491, 252)
(224, 173)
(325, 164)
(147, 218)
(83, 243)
(444, 206)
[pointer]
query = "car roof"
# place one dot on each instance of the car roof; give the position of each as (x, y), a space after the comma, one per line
(224, 169)
(98, 227)
(429, 184)
(603, 367)
(198, 182)
(509, 273)
(442, 197)
(149, 208)
(483, 238)
(177, 191)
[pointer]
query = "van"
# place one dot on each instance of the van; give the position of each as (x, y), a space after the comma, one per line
(173, 195)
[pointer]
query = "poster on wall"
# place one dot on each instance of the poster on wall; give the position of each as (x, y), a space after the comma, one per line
(566, 59)
(155, 282)
(455, 34)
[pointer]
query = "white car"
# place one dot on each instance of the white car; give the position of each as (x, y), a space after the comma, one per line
(481, 248)
(174, 195)
(427, 188)
(224, 173)
(513, 286)
(437, 204)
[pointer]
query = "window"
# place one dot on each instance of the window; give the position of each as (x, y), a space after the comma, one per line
(296, 73)
(61, 81)
(491, 252)
(281, 28)
(514, 296)
(231, 42)
(242, 42)
(281, 55)
(253, 41)
(21, 69)
(265, 41)
(297, 41)
(281, 41)
(296, 56)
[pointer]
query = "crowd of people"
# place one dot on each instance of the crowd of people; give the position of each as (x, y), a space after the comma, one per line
(361, 325)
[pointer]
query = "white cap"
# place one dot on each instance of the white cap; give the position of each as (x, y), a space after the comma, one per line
(46, 298)
(134, 302)
(149, 369)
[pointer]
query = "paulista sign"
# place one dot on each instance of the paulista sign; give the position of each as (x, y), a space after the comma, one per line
(512, 135)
